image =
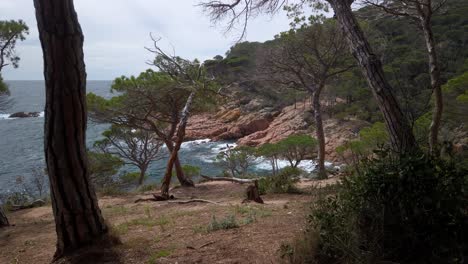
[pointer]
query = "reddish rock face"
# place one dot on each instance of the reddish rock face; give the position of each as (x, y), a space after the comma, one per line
(267, 126)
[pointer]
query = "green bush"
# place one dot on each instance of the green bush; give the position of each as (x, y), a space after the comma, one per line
(283, 182)
(227, 223)
(407, 210)
(147, 187)
(132, 178)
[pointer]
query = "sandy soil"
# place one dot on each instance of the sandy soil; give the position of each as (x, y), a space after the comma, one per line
(163, 232)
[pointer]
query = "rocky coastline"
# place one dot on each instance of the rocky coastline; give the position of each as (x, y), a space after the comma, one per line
(268, 125)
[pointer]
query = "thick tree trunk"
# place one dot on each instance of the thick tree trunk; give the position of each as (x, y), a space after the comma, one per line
(400, 131)
(434, 71)
(322, 174)
(3, 219)
(174, 154)
(78, 219)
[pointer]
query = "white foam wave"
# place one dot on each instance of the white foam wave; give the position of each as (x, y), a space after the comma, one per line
(307, 165)
(216, 149)
(5, 116)
(190, 144)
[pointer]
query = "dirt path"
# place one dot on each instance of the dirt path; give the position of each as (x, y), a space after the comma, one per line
(162, 232)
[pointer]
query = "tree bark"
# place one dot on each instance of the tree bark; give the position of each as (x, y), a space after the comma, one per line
(183, 180)
(78, 219)
(141, 179)
(3, 219)
(400, 131)
(174, 154)
(322, 174)
(434, 71)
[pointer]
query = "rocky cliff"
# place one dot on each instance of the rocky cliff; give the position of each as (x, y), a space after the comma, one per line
(269, 125)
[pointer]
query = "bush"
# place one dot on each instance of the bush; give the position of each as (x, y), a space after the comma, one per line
(226, 223)
(407, 210)
(132, 178)
(283, 182)
(147, 187)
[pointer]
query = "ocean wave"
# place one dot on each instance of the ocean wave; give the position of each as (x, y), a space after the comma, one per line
(190, 144)
(264, 164)
(7, 116)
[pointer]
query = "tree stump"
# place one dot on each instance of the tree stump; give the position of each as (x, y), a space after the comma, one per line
(253, 193)
(3, 219)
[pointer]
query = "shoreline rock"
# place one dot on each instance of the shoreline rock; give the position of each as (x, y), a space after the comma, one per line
(267, 125)
(24, 114)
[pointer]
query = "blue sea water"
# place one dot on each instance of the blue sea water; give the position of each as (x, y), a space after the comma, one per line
(21, 140)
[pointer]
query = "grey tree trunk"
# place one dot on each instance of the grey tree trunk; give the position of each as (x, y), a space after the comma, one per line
(3, 219)
(320, 134)
(78, 219)
(141, 178)
(434, 72)
(401, 134)
(174, 152)
(183, 180)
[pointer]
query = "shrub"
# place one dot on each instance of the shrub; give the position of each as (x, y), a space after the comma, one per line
(407, 209)
(283, 182)
(132, 178)
(227, 223)
(147, 187)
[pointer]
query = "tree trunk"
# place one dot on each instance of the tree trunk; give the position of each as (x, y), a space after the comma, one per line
(322, 174)
(434, 71)
(400, 131)
(184, 181)
(3, 219)
(78, 219)
(174, 154)
(141, 179)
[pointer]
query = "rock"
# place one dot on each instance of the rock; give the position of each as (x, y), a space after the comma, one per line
(268, 125)
(25, 114)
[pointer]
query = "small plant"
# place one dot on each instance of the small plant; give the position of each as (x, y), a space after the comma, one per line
(120, 229)
(147, 188)
(160, 254)
(227, 223)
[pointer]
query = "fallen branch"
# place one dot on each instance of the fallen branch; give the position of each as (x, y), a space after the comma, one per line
(158, 198)
(231, 179)
(195, 201)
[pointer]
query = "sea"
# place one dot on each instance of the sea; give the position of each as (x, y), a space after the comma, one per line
(22, 146)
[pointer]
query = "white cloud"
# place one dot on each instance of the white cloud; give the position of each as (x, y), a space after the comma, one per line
(116, 32)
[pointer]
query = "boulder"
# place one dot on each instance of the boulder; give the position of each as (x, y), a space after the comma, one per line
(25, 114)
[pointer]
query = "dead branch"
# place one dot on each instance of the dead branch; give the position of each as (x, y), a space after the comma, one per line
(195, 201)
(231, 179)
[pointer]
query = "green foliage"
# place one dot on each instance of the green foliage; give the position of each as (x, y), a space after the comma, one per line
(11, 31)
(160, 254)
(3, 87)
(406, 210)
(102, 169)
(236, 161)
(191, 171)
(456, 100)
(131, 178)
(147, 187)
(228, 222)
(283, 182)
(370, 138)
(296, 148)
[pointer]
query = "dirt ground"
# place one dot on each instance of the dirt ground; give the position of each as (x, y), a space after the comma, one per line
(167, 232)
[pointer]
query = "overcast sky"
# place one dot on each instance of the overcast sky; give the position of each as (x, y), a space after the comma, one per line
(116, 32)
